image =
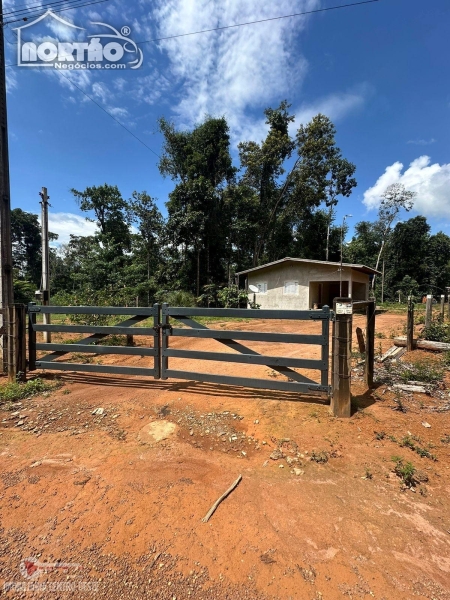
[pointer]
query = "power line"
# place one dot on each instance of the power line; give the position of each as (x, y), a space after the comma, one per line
(59, 10)
(107, 112)
(308, 12)
(36, 7)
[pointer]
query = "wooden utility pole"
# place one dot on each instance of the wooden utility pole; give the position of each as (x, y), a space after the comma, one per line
(6, 275)
(45, 281)
(442, 306)
(382, 285)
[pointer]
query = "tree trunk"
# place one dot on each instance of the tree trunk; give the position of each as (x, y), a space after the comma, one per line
(198, 272)
(378, 262)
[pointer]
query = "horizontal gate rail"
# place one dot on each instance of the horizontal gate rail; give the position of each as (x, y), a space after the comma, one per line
(297, 382)
(104, 330)
(93, 310)
(98, 332)
(59, 366)
(249, 382)
(296, 315)
(254, 336)
(257, 359)
(94, 349)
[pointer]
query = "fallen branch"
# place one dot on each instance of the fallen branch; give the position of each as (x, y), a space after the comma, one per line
(222, 497)
(423, 344)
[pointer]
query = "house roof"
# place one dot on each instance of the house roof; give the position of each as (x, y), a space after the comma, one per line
(360, 268)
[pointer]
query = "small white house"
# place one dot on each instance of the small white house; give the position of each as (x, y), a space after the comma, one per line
(299, 283)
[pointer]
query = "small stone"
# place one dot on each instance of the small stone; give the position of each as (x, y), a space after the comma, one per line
(244, 453)
(191, 432)
(257, 422)
(264, 443)
(98, 411)
(276, 455)
(425, 424)
(281, 466)
(298, 471)
(19, 423)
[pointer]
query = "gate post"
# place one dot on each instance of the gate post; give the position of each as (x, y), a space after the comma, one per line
(31, 338)
(370, 343)
(17, 359)
(341, 398)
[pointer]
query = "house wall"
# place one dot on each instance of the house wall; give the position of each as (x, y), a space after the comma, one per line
(304, 273)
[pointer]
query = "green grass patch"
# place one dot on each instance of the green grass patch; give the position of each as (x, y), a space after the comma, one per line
(404, 470)
(12, 392)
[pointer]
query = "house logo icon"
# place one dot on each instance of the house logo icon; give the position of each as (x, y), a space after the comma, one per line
(109, 49)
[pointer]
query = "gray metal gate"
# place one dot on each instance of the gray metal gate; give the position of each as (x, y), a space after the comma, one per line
(97, 333)
(163, 329)
(296, 383)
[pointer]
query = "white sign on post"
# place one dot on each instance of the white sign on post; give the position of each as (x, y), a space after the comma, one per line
(344, 308)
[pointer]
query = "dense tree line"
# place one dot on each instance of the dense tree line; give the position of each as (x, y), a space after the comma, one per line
(221, 218)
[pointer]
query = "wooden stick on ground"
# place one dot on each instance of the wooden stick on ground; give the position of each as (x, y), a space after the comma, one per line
(222, 497)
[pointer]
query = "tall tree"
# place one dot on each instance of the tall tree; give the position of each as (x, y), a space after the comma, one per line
(323, 173)
(26, 243)
(110, 212)
(395, 198)
(200, 163)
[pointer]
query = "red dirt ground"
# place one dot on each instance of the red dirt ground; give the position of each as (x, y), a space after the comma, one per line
(99, 491)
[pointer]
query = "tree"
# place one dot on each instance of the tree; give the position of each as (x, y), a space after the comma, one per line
(110, 212)
(394, 198)
(26, 244)
(322, 172)
(200, 163)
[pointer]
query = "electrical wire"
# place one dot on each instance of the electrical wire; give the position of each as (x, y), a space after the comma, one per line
(36, 7)
(107, 112)
(308, 12)
(63, 9)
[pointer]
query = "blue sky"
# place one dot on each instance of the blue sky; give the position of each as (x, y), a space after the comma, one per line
(379, 71)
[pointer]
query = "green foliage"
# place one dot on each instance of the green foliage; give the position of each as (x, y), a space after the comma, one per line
(437, 332)
(176, 298)
(12, 392)
(446, 358)
(422, 370)
(232, 297)
(404, 470)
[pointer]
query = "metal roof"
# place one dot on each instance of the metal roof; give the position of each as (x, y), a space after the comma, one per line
(361, 268)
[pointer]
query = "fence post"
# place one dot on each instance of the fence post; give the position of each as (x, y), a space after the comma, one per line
(31, 338)
(442, 306)
(342, 354)
(157, 340)
(428, 311)
(370, 343)
(165, 321)
(16, 343)
(410, 326)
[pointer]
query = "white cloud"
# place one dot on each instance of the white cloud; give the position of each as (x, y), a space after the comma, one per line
(422, 142)
(334, 106)
(230, 72)
(65, 224)
(430, 181)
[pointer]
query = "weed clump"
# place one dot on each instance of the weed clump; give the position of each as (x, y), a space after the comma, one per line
(422, 370)
(12, 392)
(405, 471)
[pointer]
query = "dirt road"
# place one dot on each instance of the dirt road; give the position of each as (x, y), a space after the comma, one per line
(319, 513)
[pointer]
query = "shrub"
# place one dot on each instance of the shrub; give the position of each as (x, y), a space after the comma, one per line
(437, 332)
(404, 470)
